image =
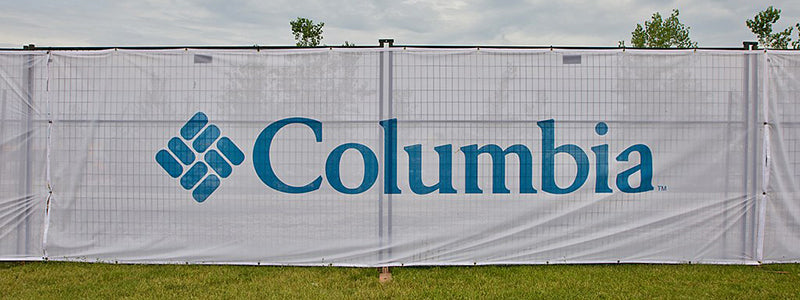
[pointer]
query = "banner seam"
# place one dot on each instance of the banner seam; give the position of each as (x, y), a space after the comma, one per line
(48, 182)
(765, 169)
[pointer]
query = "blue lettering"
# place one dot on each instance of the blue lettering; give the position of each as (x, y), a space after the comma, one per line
(390, 156)
(498, 155)
(549, 152)
(445, 184)
(601, 162)
(261, 160)
(645, 166)
(370, 168)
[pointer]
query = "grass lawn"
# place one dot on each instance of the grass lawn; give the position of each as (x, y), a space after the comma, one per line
(84, 280)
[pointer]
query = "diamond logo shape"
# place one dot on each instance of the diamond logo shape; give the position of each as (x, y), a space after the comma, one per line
(199, 157)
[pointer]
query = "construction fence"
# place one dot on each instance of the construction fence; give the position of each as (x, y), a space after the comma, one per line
(400, 156)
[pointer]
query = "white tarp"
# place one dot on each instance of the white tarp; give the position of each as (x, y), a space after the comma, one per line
(23, 130)
(394, 156)
(782, 204)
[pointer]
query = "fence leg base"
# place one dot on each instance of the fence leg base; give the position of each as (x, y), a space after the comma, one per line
(385, 275)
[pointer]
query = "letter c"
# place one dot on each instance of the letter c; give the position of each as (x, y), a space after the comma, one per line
(261, 160)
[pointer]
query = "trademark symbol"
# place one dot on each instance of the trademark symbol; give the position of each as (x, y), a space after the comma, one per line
(662, 188)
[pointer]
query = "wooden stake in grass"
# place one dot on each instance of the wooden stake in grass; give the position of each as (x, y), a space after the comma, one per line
(385, 275)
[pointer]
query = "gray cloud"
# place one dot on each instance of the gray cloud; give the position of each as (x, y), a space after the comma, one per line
(510, 22)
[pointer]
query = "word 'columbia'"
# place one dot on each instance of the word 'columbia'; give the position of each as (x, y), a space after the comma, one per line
(263, 165)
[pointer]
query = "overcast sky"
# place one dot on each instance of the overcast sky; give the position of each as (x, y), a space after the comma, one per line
(505, 22)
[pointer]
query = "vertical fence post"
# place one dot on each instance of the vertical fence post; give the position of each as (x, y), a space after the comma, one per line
(28, 142)
(3, 125)
(391, 115)
(385, 107)
(745, 175)
(23, 239)
(381, 182)
(3, 128)
(752, 175)
(761, 208)
(756, 162)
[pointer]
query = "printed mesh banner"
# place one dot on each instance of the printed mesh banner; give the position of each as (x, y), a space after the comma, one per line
(400, 156)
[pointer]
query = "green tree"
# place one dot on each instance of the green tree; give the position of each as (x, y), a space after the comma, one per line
(662, 33)
(796, 44)
(761, 26)
(306, 32)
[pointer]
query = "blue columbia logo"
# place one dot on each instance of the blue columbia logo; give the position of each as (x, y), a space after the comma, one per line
(208, 151)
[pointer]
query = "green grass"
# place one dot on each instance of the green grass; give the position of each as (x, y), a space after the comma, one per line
(84, 280)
